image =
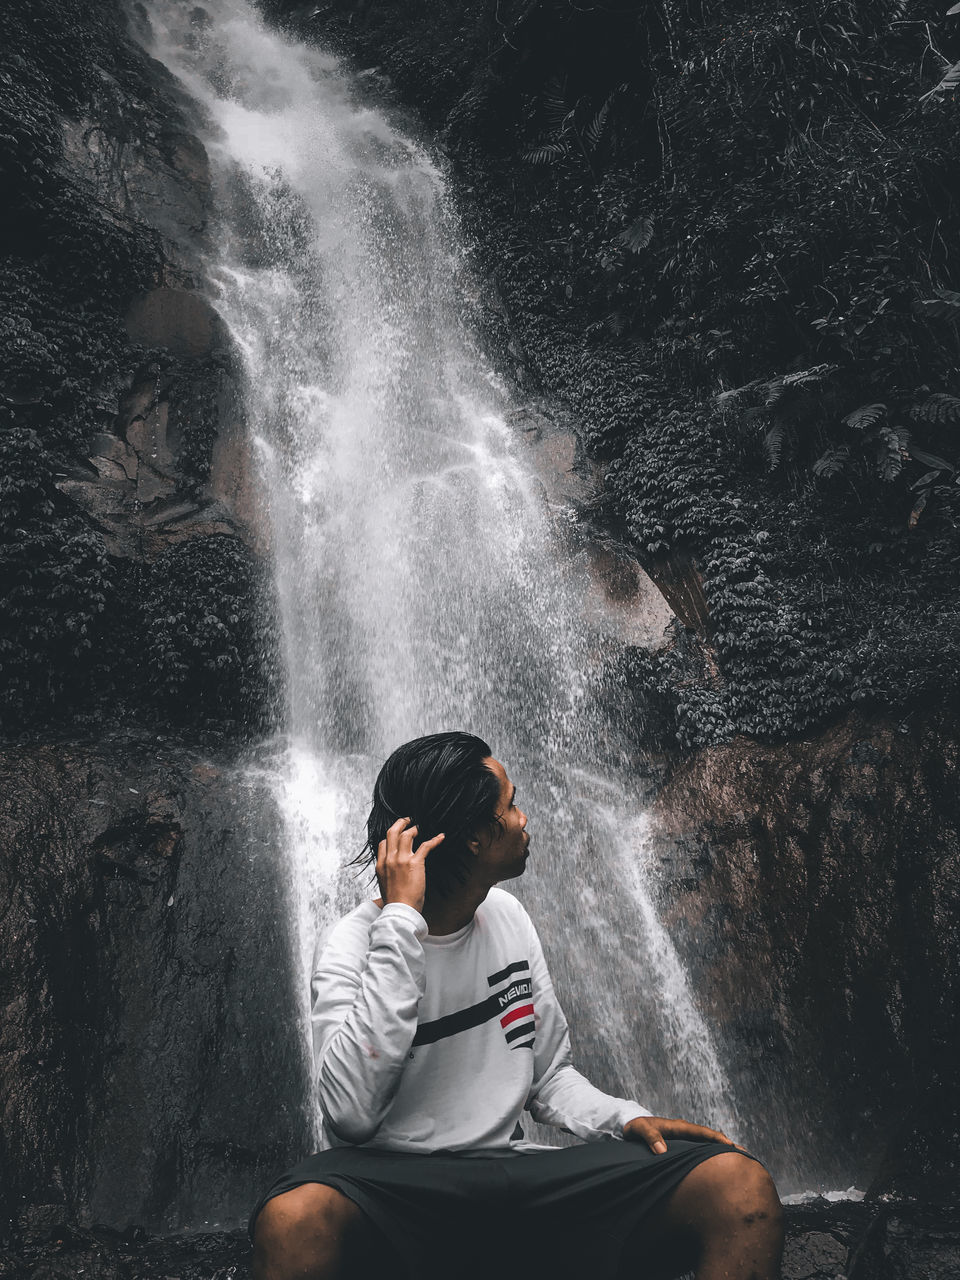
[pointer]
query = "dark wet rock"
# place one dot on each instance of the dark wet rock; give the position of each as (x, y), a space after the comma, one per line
(179, 321)
(909, 1242)
(148, 1069)
(622, 601)
(133, 1255)
(821, 1236)
(140, 485)
(833, 970)
(825, 1241)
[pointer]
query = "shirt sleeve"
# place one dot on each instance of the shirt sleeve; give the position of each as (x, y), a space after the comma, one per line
(366, 990)
(560, 1095)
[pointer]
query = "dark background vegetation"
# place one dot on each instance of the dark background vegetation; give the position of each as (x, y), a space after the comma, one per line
(727, 239)
(88, 638)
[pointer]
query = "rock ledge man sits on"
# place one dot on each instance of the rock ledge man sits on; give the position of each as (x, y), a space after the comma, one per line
(435, 1026)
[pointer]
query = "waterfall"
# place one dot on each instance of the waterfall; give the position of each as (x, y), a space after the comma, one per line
(422, 576)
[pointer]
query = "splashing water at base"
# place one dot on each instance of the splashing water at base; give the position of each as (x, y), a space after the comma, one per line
(421, 581)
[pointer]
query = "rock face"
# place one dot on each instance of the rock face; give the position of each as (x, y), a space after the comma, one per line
(122, 438)
(621, 600)
(151, 1066)
(140, 485)
(171, 462)
(814, 888)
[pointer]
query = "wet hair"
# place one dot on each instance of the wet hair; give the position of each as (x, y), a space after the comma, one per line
(442, 783)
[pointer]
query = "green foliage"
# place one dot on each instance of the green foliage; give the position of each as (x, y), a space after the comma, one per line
(210, 646)
(61, 361)
(195, 390)
(55, 584)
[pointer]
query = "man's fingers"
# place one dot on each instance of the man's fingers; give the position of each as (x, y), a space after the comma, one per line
(407, 838)
(432, 843)
(654, 1130)
(642, 1129)
(696, 1132)
(395, 833)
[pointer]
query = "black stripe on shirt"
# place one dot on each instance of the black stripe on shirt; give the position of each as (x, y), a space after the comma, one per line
(516, 1033)
(464, 1019)
(505, 973)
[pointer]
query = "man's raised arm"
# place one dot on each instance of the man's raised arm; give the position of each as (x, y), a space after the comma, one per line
(366, 994)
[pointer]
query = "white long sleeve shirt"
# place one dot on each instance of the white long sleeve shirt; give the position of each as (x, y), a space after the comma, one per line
(426, 1043)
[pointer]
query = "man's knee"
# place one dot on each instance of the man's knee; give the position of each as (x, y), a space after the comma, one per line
(310, 1221)
(736, 1192)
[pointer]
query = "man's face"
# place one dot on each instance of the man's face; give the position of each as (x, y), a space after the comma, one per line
(503, 851)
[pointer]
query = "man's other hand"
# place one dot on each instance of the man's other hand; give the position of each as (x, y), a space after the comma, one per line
(400, 868)
(654, 1131)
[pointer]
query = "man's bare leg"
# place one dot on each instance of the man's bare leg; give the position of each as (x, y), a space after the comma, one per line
(315, 1233)
(724, 1220)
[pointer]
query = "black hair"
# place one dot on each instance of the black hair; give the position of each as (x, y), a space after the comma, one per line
(443, 784)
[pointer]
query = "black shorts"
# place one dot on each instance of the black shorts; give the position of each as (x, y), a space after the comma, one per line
(559, 1212)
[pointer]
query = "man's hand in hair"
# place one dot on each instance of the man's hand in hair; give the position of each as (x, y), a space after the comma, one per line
(400, 868)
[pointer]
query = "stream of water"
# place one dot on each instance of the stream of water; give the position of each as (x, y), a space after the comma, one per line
(422, 580)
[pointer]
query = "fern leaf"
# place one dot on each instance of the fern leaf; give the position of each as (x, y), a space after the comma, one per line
(949, 82)
(554, 102)
(831, 463)
(866, 416)
(638, 235)
(773, 443)
(945, 306)
(804, 377)
(774, 393)
(594, 130)
(940, 408)
(546, 154)
(779, 386)
(726, 398)
(893, 451)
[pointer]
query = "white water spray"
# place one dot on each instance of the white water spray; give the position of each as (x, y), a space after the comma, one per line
(420, 581)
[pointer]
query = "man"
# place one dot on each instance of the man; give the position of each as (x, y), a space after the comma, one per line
(435, 1026)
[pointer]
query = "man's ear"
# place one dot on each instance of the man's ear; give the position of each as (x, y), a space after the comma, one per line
(473, 846)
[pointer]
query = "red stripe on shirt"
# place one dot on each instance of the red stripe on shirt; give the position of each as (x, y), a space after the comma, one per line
(523, 1011)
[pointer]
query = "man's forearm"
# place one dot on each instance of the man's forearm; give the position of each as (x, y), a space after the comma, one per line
(569, 1101)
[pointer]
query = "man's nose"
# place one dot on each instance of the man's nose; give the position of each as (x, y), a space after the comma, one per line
(523, 819)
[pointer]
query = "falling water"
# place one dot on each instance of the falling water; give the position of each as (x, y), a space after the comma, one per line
(422, 582)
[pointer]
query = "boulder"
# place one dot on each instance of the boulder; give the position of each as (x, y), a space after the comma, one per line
(180, 321)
